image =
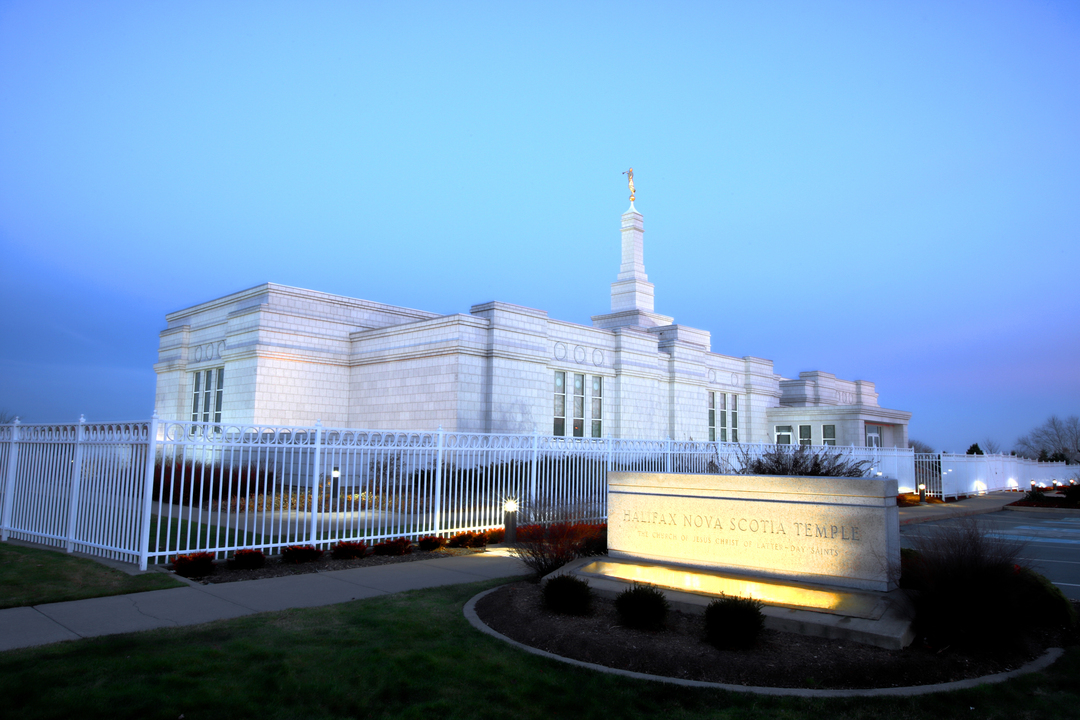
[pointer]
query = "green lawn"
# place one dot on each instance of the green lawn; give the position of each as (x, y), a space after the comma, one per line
(30, 576)
(413, 655)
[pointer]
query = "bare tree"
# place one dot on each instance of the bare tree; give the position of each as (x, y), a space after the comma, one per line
(919, 446)
(1054, 438)
(6, 417)
(990, 446)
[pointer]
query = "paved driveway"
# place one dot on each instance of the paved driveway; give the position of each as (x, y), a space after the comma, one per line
(1052, 542)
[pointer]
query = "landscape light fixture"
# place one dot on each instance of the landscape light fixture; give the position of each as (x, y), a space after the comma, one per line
(922, 493)
(510, 509)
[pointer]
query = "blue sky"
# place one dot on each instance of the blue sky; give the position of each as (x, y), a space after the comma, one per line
(886, 191)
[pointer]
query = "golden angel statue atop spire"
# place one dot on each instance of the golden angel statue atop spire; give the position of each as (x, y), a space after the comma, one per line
(630, 173)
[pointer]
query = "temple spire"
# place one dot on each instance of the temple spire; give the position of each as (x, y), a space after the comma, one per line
(632, 294)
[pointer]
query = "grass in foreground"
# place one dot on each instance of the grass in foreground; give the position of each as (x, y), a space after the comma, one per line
(31, 576)
(413, 655)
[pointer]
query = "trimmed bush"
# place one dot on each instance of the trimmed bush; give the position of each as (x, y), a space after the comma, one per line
(346, 550)
(400, 546)
(247, 560)
(297, 554)
(194, 565)
(642, 606)
(568, 595)
(733, 623)
(478, 541)
(461, 540)
(431, 542)
(495, 535)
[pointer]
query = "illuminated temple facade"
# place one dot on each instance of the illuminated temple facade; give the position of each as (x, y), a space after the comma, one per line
(278, 355)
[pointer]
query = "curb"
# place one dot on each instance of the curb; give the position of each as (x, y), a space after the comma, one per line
(948, 515)
(1058, 511)
(1040, 663)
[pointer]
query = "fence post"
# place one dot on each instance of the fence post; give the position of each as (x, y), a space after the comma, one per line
(316, 480)
(532, 473)
(610, 453)
(667, 457)
(76, 482)
(436, 520)
(9, 481)
(148, 490)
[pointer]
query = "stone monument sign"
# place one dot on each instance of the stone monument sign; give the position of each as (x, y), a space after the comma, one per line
(842, 532)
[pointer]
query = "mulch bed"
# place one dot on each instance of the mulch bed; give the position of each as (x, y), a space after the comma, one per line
(275, 568)
(778, 659)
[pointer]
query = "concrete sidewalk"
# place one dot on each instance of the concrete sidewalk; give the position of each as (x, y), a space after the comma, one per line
(977, 505)
(176, 607)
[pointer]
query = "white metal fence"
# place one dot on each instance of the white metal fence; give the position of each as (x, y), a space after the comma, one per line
(146, 491)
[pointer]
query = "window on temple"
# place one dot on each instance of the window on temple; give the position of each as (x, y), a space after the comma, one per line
(712, 417)
(804, 434)
(783, 434)
(734, 418)
(597, 406)
(579, 405)
(560, 404)
(208, 391)
(828, 434)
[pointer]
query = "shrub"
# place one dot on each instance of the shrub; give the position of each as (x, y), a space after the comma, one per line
(400, 546)
(297, 554)
(1035, 494)
(431, 542)
(495, 535)
(642, 606)
(462, 539)
(594, 540)
(794, 460)
(544, 548)
(478, 541)
(346, 550)
(568, 595)
(194, 564)
(963, 582)
(247, 560)
(733, 623)
(1072, 494)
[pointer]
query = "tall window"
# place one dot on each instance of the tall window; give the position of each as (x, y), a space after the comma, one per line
(579, 405)
(727, 407)
(783, 434)
(597, 406)
(560, 404)
(734, 418)
(804, 434)
(712, 417)
(873, 436)
(828, 434)
(207, 393)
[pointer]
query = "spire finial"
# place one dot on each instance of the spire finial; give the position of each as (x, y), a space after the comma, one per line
(630, 173)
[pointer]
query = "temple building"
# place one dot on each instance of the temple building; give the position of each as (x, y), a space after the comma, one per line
(278, 355)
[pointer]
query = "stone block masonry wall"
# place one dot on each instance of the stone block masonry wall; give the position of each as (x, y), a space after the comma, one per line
(301, 393)
(416, 394)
